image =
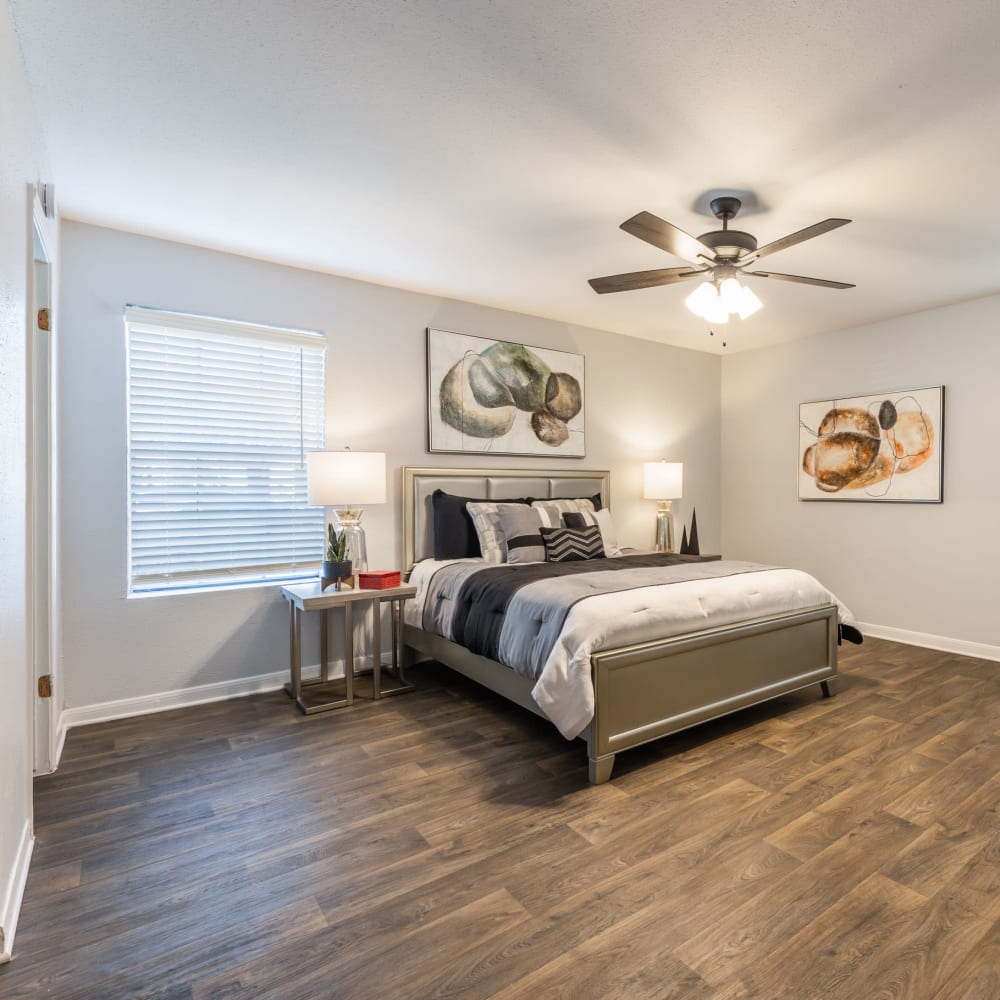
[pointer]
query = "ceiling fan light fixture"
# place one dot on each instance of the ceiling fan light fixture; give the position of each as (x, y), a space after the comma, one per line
(716, 305)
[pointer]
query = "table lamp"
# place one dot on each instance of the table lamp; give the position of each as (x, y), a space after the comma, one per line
(663, 482)
(349, 479)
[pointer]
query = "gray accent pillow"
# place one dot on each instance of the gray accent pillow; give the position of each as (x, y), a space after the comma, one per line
(522, 533)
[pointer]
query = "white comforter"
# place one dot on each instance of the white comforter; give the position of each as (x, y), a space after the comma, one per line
(564, 690)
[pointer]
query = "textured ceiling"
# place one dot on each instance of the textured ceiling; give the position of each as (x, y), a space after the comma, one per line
(488, 150)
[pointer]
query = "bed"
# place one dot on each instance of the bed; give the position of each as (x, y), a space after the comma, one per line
(643, 690)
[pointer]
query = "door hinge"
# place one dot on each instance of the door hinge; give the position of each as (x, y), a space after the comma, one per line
(43, 319)
(47, 196)
(45, 686)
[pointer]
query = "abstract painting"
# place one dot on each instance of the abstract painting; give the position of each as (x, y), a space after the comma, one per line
(887, 447)
(496, 397)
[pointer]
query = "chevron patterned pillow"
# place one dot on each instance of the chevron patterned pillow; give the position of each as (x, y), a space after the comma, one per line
(567, 544)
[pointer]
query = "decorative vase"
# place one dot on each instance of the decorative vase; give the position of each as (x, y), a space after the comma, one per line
(334, 573)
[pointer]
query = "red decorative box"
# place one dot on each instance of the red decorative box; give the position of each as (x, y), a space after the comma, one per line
(378, 579)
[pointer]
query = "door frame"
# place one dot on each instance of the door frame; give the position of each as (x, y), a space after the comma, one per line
(44, 713)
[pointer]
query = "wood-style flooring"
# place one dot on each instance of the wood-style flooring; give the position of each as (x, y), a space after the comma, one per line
(447, 844)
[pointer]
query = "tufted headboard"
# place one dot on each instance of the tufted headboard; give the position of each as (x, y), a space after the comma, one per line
(487, 484)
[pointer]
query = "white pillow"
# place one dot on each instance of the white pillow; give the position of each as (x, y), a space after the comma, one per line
(609, 534)
(600, 519)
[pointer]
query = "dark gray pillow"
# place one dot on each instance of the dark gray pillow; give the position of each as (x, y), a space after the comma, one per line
(454, 533)
(569, 544)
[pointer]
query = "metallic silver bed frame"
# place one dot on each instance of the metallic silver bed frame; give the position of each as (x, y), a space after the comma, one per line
(644, 691)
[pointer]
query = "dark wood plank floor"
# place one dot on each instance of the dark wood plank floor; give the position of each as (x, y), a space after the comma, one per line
(447, 844)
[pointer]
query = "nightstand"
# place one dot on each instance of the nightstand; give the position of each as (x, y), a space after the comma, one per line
(324, 694)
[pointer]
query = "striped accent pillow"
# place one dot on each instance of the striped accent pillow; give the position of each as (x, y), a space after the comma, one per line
(568, 544)
(486, 519)
(522, 531)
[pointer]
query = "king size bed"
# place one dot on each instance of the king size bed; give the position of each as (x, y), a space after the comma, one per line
(619, 651)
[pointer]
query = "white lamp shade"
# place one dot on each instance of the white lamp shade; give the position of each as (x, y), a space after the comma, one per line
(345, 477)
(662, 480)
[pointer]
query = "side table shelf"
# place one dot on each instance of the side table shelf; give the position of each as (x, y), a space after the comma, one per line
(325, 693)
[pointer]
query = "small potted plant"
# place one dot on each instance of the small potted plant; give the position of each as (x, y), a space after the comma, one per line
(336, 565)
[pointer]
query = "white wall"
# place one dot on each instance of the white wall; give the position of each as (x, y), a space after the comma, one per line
(921, 568)
(22, 162)
(645, 401)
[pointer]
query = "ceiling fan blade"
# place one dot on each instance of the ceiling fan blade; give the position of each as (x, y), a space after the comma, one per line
(799, 237)
(642, 279)
(667, 237)
(802, 281)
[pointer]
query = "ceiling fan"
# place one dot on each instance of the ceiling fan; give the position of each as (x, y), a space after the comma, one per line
(719, 256)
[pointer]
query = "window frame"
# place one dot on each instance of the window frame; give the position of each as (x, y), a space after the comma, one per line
(145, 319)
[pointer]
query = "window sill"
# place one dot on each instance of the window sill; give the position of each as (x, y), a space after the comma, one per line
(216, 588)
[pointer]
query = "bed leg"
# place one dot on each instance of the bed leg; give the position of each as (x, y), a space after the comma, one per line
(829, 687)
(600, 769)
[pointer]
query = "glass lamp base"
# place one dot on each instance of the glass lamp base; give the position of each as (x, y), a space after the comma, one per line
(664, 527)
(349, 522)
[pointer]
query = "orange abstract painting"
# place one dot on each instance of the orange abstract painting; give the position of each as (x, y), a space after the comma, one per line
(886, 446)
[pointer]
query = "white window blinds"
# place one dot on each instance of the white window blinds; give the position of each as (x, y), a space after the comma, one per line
(220, 417)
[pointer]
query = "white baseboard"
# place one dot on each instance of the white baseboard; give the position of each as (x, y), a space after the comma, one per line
(963, 647)
(10, 905)
(164, 701)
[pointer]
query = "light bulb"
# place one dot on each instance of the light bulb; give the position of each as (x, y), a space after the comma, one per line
(701, 298)
(731, 291)
(749, 303)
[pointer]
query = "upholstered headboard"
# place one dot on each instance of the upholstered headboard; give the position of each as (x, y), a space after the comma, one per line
(487, 484)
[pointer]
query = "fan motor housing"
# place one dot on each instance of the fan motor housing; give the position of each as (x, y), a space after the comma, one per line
(729, 244)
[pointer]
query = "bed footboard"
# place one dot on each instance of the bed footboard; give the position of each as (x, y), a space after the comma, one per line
(652, 689)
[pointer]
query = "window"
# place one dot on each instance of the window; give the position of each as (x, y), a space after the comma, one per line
(220, 417)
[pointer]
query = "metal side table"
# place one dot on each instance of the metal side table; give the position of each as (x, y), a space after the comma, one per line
(325, 693)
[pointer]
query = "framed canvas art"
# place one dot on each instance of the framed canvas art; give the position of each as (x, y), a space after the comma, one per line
(496, 397)
(884, 447)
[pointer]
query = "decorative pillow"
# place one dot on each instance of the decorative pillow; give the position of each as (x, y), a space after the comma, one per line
(454, 533)
(486, 518)
(521, 527)
(556, 508)
(600, 518)
(595, 500)
(567, 544)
